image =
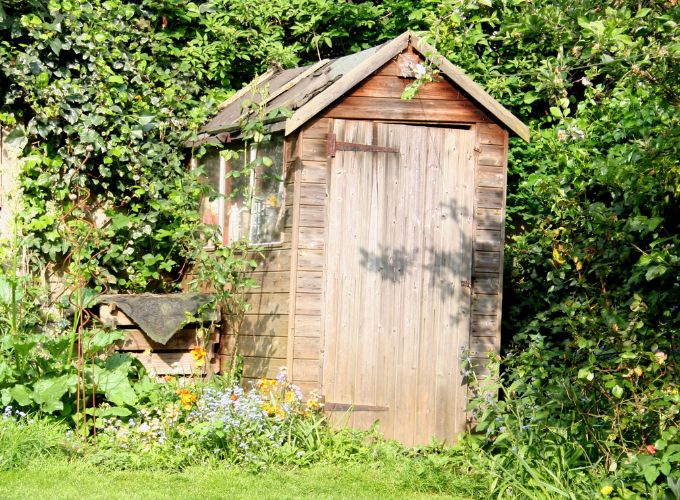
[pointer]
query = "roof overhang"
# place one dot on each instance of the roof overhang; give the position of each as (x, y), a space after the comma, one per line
(382, 56)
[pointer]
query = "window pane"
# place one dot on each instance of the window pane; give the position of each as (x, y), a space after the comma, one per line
(266, 225)
(210, 206)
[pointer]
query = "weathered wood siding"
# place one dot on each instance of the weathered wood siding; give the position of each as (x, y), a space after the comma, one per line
(262, 337)
(309, 236)
(398, 268)
(379, 98)
(489, 234)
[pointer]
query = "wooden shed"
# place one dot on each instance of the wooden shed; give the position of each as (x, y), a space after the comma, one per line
(382, 245)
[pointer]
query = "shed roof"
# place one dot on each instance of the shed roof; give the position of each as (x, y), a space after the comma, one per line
(308, 90)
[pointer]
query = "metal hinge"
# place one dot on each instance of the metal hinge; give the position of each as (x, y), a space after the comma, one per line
(335, 145)
(349, 406)
(466, 284)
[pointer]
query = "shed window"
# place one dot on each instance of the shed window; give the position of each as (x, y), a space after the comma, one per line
(251, 203)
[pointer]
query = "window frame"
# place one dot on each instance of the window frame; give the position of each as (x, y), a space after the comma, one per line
(224, 195)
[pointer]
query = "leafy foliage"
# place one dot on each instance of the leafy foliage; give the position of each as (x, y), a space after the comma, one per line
(592, 293)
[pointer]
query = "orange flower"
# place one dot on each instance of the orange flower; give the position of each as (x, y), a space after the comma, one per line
(186, 398)
(169, 378)
(198, 353)
(234, 397)
(651, 449)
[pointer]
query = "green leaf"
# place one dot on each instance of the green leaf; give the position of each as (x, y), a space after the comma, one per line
(21, 394)
(617, 391)
(117, 79)
(17, 137)
(655, 272)
(651, 473)
(47, 392)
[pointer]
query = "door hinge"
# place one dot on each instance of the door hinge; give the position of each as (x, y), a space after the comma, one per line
(349, 406)
(335, 145)
(466, 284)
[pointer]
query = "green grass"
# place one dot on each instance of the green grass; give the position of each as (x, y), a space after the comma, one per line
(56, 479)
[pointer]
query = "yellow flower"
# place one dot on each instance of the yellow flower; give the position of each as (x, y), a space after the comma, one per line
(186, 398)
(198, 353)
(268, 408)
(637, 370)
(607, 490)
(289, 397)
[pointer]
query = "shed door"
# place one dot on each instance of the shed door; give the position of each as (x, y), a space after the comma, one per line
(397, 296)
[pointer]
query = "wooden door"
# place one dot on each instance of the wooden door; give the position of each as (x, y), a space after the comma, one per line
(397, 281)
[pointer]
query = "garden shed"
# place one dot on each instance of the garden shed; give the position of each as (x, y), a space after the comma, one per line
(381, 241)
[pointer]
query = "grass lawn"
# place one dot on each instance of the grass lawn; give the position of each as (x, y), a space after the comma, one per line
(61, 479)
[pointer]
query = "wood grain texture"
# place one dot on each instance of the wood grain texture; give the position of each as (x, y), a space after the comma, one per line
(137, 340)
(313, 194)
(275, 325)
(400, 244)
(430, 110)
(314, 171)
(174, 363)
(314, 149)
(488, 218)
(488, 240)
(260, 346)
(313, 216)
(390, 86)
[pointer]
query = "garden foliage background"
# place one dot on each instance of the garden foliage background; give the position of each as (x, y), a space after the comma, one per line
(102, 95)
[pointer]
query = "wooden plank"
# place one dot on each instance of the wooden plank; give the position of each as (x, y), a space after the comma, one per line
(313, 194)
(272, 260)
(488, 240)
(309, 388)
(309, 282)
(310, 260)
(308, 326)
(267, 303)
(491, 155)
(137, 340)
(275, 325)
(481, 346)
(173, 363)
(307, 348)
(314, 171)
(490, 133)
(110, 315)
(486, 283)
(490, 197)
(393, 87)
(431, 110)
(311, 238)
(306, 370)
(308, 304)
(487, 261)
(257, 346)
(262, 367)
(317, 129)
(488, 218)
(294, 267)
(348, 81)
(314, 149)
(488, 176)
(271, 282)
(484, 326)
(486, 304)
(313, 216)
